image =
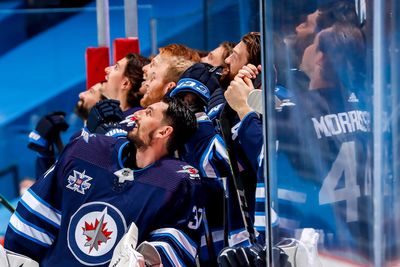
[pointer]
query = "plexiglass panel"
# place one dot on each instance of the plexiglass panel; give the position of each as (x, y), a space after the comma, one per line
(334, 167)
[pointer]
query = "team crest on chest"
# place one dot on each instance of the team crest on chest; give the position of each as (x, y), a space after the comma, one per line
(79, 182)
(93, 232)
(193, 172)
(124, 174)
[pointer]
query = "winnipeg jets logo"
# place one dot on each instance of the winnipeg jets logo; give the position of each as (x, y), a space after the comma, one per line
(96, 233)
(93, 232)
(193, 172)
(124, 174)
(79, 182)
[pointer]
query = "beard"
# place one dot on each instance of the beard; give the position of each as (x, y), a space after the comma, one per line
(296, 46)
(81, 111)
(139, 142)
(226, 80)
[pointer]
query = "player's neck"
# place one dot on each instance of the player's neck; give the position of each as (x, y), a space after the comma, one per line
(319, 83)
(148, 155)
(124, 105)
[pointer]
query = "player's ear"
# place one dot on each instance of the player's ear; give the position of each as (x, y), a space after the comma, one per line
(319, 58)
(165, 131)
(225, 70)
(169, 86)
(126, 84)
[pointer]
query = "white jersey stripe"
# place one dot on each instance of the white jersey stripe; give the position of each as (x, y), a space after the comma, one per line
(291, 195)
(217, 236)
(217, 147)
(179, 238)
(169, 252)
(207, 168)
(41, 208)
(259, 219)
(35, 234)
(238, 238)
(260, 191)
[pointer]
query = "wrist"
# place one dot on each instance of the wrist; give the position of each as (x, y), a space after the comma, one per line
(243, 111)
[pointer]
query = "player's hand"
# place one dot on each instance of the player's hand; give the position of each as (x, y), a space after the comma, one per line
(237, 93)
(242, 256)
(253, 256)
(104, 113)
(250, 71)
(46, 132)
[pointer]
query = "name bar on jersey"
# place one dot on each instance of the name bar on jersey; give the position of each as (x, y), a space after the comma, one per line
(341, 123)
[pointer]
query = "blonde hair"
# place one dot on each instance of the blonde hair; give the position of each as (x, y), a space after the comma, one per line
(180, 50)
(176, 67)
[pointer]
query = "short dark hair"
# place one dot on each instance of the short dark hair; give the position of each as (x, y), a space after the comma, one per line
(341, 11)
(134, 73)
(252, 40)
(182, 120)
(343, 48)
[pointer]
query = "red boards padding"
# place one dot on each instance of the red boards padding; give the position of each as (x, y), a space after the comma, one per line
(123, 46)
(97, 59)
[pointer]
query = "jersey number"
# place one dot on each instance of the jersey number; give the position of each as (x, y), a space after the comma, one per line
(344, 165)
(197, 217)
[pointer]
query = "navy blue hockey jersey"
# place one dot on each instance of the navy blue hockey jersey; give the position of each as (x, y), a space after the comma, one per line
(249, 134)
(324, 168)
(79, 210)
(43, 163)
(206, 151)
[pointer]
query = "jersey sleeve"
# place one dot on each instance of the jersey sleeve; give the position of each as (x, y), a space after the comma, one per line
(34, 226)
(174, 246)
(250, 137)
(176, 229)
(42, 164)
(206, 151)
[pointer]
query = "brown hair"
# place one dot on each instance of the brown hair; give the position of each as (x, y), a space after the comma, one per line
(343, 48)
(252, 41)
(134, 73)
(228, 49)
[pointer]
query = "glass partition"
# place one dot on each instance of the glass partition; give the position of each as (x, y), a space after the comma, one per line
(331, 99)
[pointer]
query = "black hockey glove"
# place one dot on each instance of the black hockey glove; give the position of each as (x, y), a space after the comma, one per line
(47, 132)
(253, 256)
(104, 116)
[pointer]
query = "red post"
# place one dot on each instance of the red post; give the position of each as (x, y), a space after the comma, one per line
(123, 46)
(97, 59)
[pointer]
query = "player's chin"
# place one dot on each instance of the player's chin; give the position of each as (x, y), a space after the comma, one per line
(131, 135)
(133, 132)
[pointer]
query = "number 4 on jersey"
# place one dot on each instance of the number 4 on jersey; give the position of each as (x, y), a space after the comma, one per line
(344, 165)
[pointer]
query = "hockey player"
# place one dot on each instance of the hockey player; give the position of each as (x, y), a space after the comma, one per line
(217, 56)
(248, 50)
(249, 136)
(89, 98)
(77, 212)
(162, 74)
(288, 59)
(226, 120)
(124, 77)
(206, 150)
(324, 151)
